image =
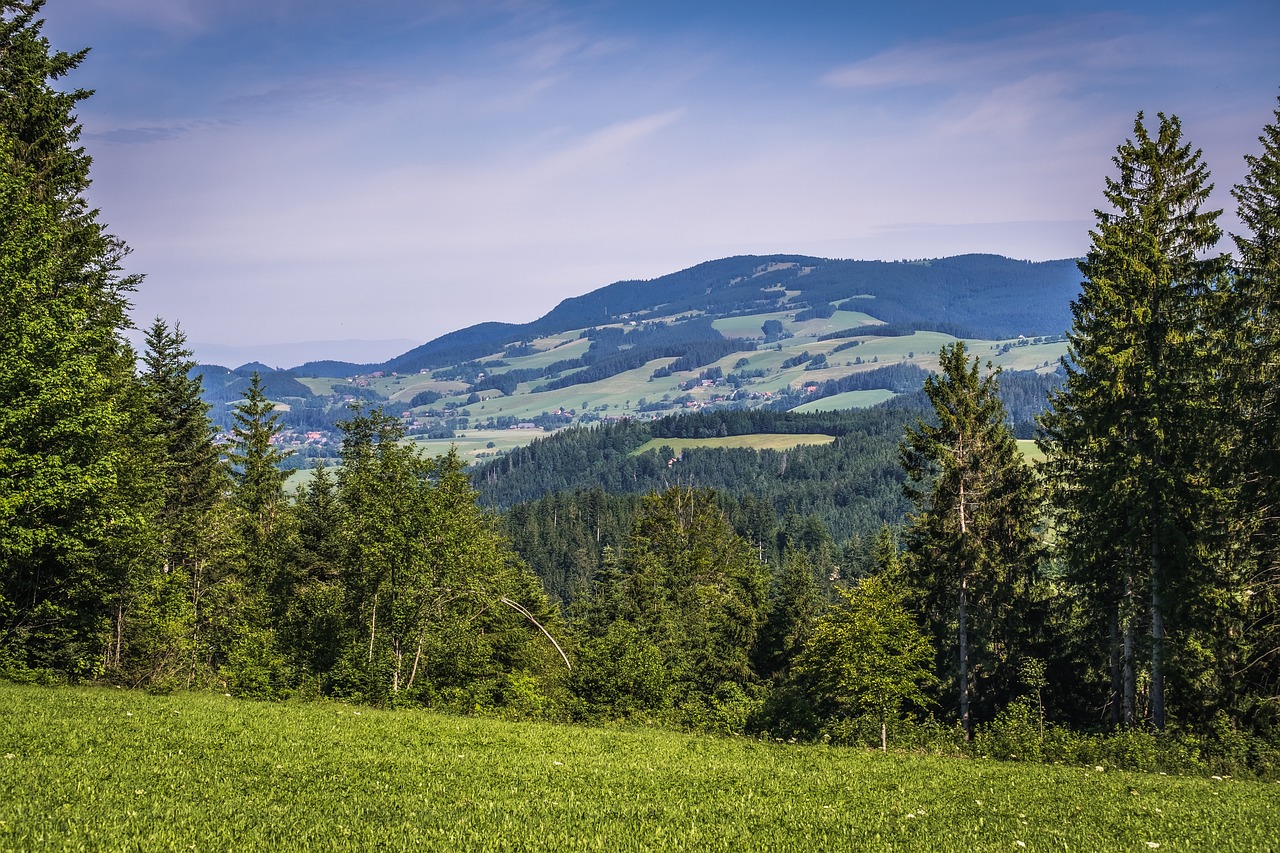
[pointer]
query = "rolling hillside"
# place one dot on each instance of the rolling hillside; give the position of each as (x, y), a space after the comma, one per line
(780, 332)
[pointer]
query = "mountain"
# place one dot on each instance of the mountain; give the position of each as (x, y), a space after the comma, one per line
(776, 332)
(979, 296)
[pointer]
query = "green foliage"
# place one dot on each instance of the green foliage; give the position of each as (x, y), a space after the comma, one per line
(431, 586)
(256, 461)
(971, 547)
(1253, 362)
(692, 595)
(1129, 437)
(76, 479)
(852, 484)
(867, 657)
(192, 477)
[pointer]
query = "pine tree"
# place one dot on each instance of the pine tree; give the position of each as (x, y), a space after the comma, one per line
(256, 461)
(1255, 309)
(75, 481)
(193, 476)
(1124, 436)
(699, 591)
(971, 544)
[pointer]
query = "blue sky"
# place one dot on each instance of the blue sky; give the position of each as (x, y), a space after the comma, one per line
(293, 170)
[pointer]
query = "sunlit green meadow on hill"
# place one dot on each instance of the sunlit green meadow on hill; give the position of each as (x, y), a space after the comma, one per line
(94, 768)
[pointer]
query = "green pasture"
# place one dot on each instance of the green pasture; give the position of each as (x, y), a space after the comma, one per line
(1028, 357)
(473, 444)
(834, 323)
(103, 769)
(606, 397)
(749, 326)
(847, 400)
(1030, 451)
(322, 386)
(758, 441)
(746, 326)
(549, 351)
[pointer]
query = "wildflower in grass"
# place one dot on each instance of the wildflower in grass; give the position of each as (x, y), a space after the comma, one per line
(1020, 843)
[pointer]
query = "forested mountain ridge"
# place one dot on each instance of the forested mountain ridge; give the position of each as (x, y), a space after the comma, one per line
(978, 295)
(779, 332)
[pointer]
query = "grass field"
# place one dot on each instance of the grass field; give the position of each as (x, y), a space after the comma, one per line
(758, 441)
(1030, 450)
(847, 400)
(102, 769)
(473, 444)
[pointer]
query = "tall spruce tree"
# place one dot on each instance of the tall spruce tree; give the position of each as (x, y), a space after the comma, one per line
(1124, 436)
(75, 491)
(256, 461)
(1256, 312)
(192, 475)
(971, 544)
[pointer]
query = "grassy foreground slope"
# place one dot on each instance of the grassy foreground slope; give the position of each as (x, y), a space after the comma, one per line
(112, 769)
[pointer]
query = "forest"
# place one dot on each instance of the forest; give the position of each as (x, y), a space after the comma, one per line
(916, 581)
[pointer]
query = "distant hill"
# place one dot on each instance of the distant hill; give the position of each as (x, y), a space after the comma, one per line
(979, 296)
(776, 332)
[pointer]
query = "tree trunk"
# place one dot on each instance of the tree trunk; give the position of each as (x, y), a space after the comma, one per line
(373, 626)
(1117, 683)
(119, 631)
(1157, 632)
(416, 658)
(884, 736)
(965, 722)
(1130, 690)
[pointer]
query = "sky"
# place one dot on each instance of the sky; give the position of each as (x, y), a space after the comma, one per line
(320, 170)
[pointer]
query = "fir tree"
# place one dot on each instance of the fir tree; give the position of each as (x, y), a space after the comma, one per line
(971, 543)
(256, 461)
(75, 478)
(193, 476)
(1255, 351)
(1124, 441)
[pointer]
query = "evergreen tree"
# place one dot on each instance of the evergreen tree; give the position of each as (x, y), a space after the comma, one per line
(313, 603)
(1126, 449)
(971, 544)
(193, 476)
(795, 603)
(1255, 352)
(256, 461)
(695, 600)
(75, 490)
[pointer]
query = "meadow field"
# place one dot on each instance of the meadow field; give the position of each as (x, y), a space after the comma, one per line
(755, 441)
(97, 768)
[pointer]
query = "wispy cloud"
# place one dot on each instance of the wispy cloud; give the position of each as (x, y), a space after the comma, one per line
(349, 86)
(1083, 49)
(606, 144)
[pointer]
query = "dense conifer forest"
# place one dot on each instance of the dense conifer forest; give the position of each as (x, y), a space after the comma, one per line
(915, 580)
